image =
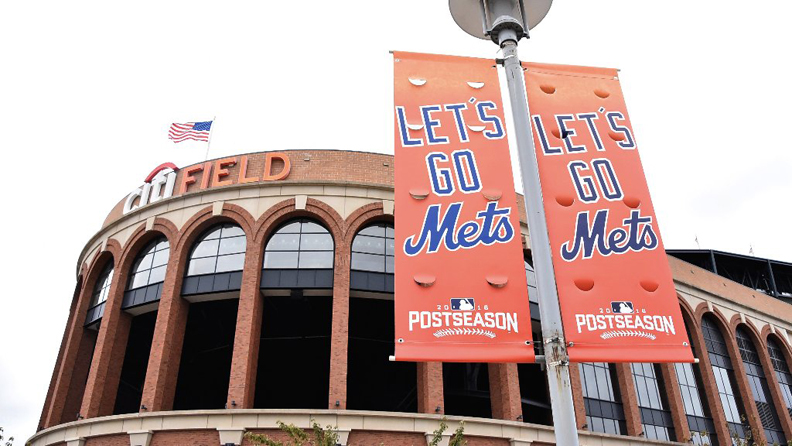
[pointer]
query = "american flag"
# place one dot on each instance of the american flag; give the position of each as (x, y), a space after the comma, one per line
(197, 131)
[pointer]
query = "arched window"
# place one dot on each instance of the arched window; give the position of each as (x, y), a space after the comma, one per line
(299, 255)
(216, 261)
(147, 274)
(372, 259)
(759, 388)
(655, 419)
(724, 376)
(604, 410)
(782, 372)
(699, 417)
(100, 292)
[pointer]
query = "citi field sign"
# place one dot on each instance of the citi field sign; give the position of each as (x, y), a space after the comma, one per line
(162, 182)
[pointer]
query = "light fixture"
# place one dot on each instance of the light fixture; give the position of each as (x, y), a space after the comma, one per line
(143, 407)
(486, 18)
(437, 409)
(338, 403)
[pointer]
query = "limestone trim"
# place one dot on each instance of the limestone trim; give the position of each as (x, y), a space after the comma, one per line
(236, 421)
(208, 196)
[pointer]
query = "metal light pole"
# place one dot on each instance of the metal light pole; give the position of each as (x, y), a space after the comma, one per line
(506, 22)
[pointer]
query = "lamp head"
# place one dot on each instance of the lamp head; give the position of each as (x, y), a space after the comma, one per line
(485, 19)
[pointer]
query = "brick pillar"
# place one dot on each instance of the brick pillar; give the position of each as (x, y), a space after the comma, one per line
(79, 375)
(59, 364)
(505, 391)
(675, 403)
(58, 361)
(577, 395)
(710, 389)
(102, 386)
(744, 389)
(159, 389)
(339, 338)
(244, 362)
(775, 390)
(629, 399)
(430, 387)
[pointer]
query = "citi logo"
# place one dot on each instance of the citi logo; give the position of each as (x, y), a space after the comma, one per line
(158, 184)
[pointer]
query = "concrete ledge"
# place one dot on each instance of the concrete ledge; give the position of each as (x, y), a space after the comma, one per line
(232, 423)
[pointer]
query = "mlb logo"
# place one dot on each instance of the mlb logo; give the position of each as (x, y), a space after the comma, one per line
(464, 304)
(622, 307)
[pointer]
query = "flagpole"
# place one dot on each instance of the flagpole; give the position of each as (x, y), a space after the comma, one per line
(209, 142)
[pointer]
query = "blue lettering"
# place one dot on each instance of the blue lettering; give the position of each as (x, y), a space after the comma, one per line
(404, 132)
(459, 120)
(567, 134)
(493, 226)
(546, 149)
(436, 174)
(482, 108)
(589, 118)
(591, 236)
(430, 124)
(629, 142)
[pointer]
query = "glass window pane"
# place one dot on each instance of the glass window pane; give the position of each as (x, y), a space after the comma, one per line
(313, 228)
(144, 263)
(389, 265)
(232, 231)
(214, 234)
(368, 262)
(205, 249)
(162, 245)
(233, 262)
(284, 242)
(280, 260)
(321, 259)
(389, 232)
(316, 242)
(370, 245)
(161, 257)
(157, 275)
(140, 279)
(390, 246)
(232, 245)
(201, 266)
(290, 228)
(602, 384)
(374, 230)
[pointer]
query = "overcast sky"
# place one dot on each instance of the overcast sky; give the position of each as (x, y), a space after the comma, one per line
(89, 89)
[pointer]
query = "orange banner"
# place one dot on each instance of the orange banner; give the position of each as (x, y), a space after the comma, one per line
(460, 287)
(617, 296)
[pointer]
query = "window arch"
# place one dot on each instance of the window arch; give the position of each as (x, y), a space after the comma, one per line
(782, 371)
(147, 274)
(100, 292)
(724, 376)
(216, 261)
(759, 388)
(299, 254)
(373, 259)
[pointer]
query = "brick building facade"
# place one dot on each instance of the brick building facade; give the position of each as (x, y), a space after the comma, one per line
(261, 290)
